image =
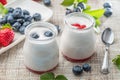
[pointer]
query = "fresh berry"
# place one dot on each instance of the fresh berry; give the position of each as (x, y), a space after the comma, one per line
(86, 67)
(25, 12)
(68, 11)
(22, 29)
(48, 34)
(20, 21)
(77, 70)
(10, 10)
(108, 12)
(10, 19)
(34, 35)
(3, 2)
(81, 5)
(17, 13)
(3, 20)
(6, 36)
(47, 2)
(16, 26)
(28, 18)
(78, 9)
(107, 5)
(37, 17)
(79, 26)
(26, 23)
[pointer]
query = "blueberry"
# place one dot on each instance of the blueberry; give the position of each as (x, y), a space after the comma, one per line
(26, 23)
(48, 34)
(81, 5)
(3, 21)
(34, 35)
(77, 70)
(37, 17)
(18, 8)
(17, 13)
(22, 29)
(10, 19)
(108, 12)
(16, 26)
(47, 2)
(107, 5)
(68, 11)
(78, 9)
(86, 67)
(25, 12)
(28, 18)
(10, 10)
(20, 21)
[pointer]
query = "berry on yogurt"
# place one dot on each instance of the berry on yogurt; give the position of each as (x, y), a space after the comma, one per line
(34, 35)
(48, 34)
(79, 26)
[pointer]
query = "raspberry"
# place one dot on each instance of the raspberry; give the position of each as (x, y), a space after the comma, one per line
(3, 2)
(79, 26)
(6, 36)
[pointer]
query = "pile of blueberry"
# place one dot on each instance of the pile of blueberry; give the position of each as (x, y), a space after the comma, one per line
(80, 7)
(19, 19)
(108, 9)
(77, 70)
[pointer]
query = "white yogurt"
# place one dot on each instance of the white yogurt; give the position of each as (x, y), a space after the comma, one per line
(41, 54)
(78, 44)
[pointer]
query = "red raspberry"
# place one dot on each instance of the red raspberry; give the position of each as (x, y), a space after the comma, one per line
(82, 27)
(3, 2)
(6, 36)
(79, 26)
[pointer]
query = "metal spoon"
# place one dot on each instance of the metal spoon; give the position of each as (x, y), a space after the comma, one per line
(107, 38)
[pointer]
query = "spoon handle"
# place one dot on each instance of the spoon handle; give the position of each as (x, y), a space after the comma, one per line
(105, 65)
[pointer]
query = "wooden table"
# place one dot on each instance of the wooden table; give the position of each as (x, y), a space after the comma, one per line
(12, 66)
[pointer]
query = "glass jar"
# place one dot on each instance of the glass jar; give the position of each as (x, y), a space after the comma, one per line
(40, 54)
(78, 44)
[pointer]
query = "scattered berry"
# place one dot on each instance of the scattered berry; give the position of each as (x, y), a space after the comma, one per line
(48, 34)
(26, 23)
(3, 20)
(16, 26)
(107, 5)
(10, 10)
(37, 17)
(47, 2)
(20, 21)
(86, 67)
(77, 70)
(17, 13)
(108, 12)
(25, 12)
(68, 11)
(10, 19)
(78, 9)
(22, 29)
(6, 36)
(34, 35)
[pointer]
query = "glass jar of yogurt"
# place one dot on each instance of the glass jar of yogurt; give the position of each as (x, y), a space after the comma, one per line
(78, 37)
(41, 53)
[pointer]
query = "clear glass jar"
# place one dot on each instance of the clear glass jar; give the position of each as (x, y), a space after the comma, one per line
(42, 54)
(78, 44)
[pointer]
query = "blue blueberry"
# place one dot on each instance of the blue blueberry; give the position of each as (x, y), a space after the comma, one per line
(17, 13)
(77, 70)
(10, 10)
(81, 5)
(3, 21)
(107, 5)
(34, 35)
(86, 67)
(16, 26)
(22, 29)
(20, 20)
(47, 2)
(28, 18)
(68, 11)
(78, 9)
(25, 12)
(108, 12)
(26, 23)
(48, 34)
(10, 19)
(37, 17)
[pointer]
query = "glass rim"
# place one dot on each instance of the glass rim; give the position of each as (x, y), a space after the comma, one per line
(41, 24)
(82, 14)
